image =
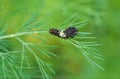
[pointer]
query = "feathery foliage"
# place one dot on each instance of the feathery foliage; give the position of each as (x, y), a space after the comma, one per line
(17, 60)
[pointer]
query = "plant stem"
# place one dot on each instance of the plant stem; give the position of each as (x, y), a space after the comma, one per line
(20, 34)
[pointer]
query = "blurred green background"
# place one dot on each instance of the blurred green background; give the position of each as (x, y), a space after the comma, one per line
(103, 21)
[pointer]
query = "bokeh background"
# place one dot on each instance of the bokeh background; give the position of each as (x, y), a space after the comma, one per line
(103, 21)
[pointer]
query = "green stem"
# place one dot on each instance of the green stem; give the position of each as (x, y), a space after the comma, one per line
(20, 34)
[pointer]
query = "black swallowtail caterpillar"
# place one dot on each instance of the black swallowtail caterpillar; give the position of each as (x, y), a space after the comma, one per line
(70, 32)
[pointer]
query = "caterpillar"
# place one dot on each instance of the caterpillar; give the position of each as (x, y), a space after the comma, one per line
(70, 32)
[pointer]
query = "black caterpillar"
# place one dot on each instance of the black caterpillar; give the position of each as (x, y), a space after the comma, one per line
(70, 32)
